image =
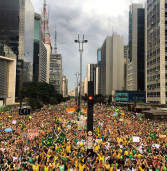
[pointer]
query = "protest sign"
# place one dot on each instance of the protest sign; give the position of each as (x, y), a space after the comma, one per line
(32, 133)
(135, 139)
(14, 122)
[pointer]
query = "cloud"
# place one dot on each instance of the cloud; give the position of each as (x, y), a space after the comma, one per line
(94, 18)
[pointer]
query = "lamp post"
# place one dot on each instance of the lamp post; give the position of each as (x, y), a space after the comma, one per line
(81, 42)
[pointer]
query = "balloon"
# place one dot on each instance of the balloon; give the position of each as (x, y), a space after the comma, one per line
(81, 144)
(134, 152)
(130, 156)
(126, 153)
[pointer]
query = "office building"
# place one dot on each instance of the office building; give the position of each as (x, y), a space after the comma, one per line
(91, 74)
(49, 49)
(135, 62)
(71, 93)
(64, 86)
(155, 51)
(17, 32)
(112, 64)
(43, 63)
(56, 72)
(126, 51)
(85, 85)
(97, 80)
(98, 72)
(7, 75)
(37, 44)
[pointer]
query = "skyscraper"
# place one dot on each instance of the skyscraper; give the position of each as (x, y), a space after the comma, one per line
(155, 52)
(126, 51)
(46, 38)
(135, 62)
(91, 74)
(43, 63)
(98, 72)
(112, 64)
(37, 44)
(17, 32)
(56, 72)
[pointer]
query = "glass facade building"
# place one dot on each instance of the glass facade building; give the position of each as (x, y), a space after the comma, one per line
(98, 90)
(135, 61)
(17, 32)
(37, 42)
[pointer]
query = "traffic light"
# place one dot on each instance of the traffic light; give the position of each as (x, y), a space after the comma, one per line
(24, 111)
(90, 101)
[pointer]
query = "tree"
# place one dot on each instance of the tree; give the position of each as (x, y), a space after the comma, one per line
(99, 98)
(39, 93)
(109, 99)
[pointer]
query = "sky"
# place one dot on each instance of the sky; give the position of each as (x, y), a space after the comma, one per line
(96, 19)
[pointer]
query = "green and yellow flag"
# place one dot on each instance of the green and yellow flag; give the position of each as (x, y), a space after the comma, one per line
(48, 142)
(61, 138)
(56, 121)
(21, 124)
(153, 135)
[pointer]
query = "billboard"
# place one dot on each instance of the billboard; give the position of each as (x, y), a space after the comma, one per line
(121, 97)
(128, 96)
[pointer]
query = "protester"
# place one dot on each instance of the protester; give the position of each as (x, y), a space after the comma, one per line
(52, 139)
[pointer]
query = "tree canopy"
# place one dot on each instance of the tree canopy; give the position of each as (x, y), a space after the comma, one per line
(39, 93)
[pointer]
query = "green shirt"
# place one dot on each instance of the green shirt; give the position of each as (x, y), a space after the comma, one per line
(61, 168)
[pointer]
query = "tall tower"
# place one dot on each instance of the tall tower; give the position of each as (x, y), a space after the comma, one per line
(44, 25)
(135, 62)
(46, 38)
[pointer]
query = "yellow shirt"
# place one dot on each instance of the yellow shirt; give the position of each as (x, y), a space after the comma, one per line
(96, 148)
(68, 148)
(35, 168)
(76, 164)
(111, 169)
(140, 168)
(101, 158)
(107, 166)
(46, 168)
(81, 168)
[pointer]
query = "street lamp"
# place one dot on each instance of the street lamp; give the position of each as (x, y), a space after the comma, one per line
(81, 42)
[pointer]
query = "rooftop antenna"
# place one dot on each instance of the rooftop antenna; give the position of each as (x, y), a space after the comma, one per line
(44, 26)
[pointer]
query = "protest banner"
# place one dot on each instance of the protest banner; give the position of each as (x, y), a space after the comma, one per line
(32, 133)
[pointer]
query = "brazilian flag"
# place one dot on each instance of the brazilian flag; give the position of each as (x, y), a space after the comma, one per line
(149, 150)
(60, 150)
(56, 121)
(61, 138)
(21, 124)
(153, 135)
(48, 142)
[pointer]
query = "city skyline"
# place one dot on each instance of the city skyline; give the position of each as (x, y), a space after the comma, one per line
(72, 20)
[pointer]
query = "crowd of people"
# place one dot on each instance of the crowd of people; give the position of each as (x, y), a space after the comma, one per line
(50, 139)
